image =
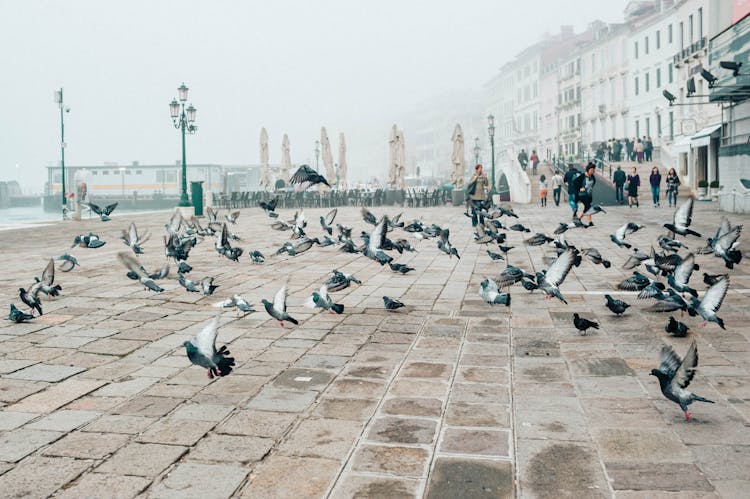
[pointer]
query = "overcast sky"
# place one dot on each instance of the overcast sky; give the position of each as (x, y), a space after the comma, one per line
(291, 66)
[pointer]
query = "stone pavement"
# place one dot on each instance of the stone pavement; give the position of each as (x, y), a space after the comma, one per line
(448, 398)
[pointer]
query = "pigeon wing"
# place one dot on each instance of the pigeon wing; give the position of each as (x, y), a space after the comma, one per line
(670, 361)
(205, 340)
(331, 216)
(175, 223)
(683, 215)
(110, 208)
(377, 236)
(686, 370)
(727, 240)
(48, 275)
(620, 234)
(279, 301)
(715, 295)
(560, 267)
(131, 264)
(303, 245)
(95, 208)
(684, 270)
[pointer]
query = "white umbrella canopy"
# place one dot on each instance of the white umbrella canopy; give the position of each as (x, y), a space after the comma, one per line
(327, 156)
(393, 156)
(342, 162)
(286, 160)
(264, 180)
(457, 157)
(400, 161)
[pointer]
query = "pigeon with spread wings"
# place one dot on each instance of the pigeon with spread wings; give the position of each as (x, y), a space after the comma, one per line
(306, 177)
(201, 351)
(675, 374)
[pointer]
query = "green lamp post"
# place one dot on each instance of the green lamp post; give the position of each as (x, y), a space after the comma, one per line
(63, 110)
(184, 120)
(491, 130)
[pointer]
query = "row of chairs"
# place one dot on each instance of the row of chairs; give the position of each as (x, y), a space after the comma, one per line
(328, 199)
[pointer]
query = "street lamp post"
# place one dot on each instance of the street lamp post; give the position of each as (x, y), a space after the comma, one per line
(317, 153)
(63, 110)
(122, 178)
(184, 120)
(491, 130)
(476, 151)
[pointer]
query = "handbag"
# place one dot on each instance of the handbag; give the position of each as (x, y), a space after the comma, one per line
(471, 188)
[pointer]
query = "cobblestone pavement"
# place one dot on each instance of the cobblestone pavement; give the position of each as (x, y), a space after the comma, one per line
(448, 398)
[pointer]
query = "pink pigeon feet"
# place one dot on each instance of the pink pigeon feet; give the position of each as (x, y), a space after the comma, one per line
(687, 416)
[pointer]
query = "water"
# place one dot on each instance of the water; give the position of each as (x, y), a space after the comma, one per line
(12, 218)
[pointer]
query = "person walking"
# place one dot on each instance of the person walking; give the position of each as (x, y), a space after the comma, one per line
(648, 149)
(584, 188)
(543, 190)
(534, 161)
(523, 159)
(619, 180)
(673, 183)
(569, 180)
(629, 149)
(639, 149)
(634, 181)
(655, 180)
(477, 195)
(556, 183)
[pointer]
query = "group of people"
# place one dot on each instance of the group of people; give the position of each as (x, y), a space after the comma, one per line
(632, 182)
(635, 149)
(524, 160)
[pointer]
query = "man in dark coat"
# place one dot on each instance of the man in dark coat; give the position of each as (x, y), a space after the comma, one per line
(619, 180)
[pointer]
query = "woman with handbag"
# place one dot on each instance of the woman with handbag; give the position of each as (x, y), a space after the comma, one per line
(476, 190)
(673, 183)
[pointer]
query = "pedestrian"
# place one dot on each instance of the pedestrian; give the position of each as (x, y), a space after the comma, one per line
(523, 159)
(543, 190)
(616, 150)
(534, 161)
(619, 179)
(477, 195)
(556, 184)
(655, 180)
(648, 149)
(584, 188)
(629, 149)
(639, 149)
(634, 181)
(569, 179)
(673, 182)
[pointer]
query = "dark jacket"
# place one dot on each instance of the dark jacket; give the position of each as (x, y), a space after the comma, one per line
(655, 179)
(619, 177)
(580, 182)
(672, 181)
(569, 178)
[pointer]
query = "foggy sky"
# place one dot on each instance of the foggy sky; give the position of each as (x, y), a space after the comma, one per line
(291, 66)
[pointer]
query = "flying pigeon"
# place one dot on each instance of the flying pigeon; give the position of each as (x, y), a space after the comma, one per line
(201, 351)
(48, 286)
(637, 282)
(596, 258)
(339, 280)
(232, 217)
(582, 324)
(68, 262)
(550, 281)
(711, 302)
(277, 309)
(269, 207)
(133, 240)
(184, 268)
(236, 301)
(375, 242)
(617, 307)
(326, 221)
(140, 273)
(321, 299)
(306, 177)
(682, 219)
(445, 245)
(711, 279)
(511, 275)
(224, 248)
(89, 240)
(368, 216)
(635, 259)
(675, 374)
(681, 276)
(103, 213)
(495, 256)
(670, 302)
(676, 328)
(392, 304)
(519, 228)
(619, 236)
(538, 239)
(18, 316)
(178, 248)
(596, 208)
(724, 244)
(490, 293)
(669, 244)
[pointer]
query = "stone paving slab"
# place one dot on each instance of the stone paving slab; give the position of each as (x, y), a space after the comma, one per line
(447, 398)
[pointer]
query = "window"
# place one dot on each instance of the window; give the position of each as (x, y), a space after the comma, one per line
(636, 50)
(671, 125)
(647, 83)
(534, 124)
(593, 62)
(671, 73)
(578, 119)
(658, 39)
(105, 172)
(645, 45)
(58, 178)
(624, 88)
(636, 85)
(658, 125)
(637, 129)
(648, 127)
(658, 77)
(535, 90)
(94, 172)
(127, 172)
(700, 23)
(690, 27)
(139, 172)
(526, 93)
(669, 34)
(682, 35)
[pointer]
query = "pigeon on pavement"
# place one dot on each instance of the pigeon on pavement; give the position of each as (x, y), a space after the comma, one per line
(617, 307)
(321, 299)
(392, 304)
(201, 351)
(490, 293)
(676, 328)
(583, 325)
(277, 309)
(18, 316)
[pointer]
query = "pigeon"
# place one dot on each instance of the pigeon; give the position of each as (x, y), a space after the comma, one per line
(596, 258)
(682, 219)
(711, 279)
(617, 307)
(676, 328)
(445, 245)
(583, 325)
(306, 177)
(344, 231)
(538, 239)
(321, 299)
(212, 215)
(348, 247)
(669, 244)
(495, 256)
(368, 216)
(635, 259)
(298, 225)
(619, 236)
(511, 275)
(414, 226)
(550, 281)
(280, 225)
(236, 301)
(31, 297)
(671, 302)
(89, 240)
(391, 304)
(133, 240)
(675, 374)
(490, 293)
(257, 257)
(519, 228)
(232, 217)
(339, 280)
(711, 302)
(103, 213)
(269, 207)
(375, 242)
(400, 267)
(505, 249)
(327, 241)
(637, 282)
(18, 316)
(205, 285)
(178, 248)
(184, 268)
(138, 271)
(175, 223)
(564, 227)
(529, 286)
(277, 309)
(594, 209)
(326, 221)
(201, 351)
(47, 282)
(482, 237)
(506, 211)
(224, 248)
(724, 246)
(68, 262)
(681, 275)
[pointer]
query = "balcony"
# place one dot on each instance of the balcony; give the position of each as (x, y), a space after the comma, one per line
(568, 104)
(693, 50)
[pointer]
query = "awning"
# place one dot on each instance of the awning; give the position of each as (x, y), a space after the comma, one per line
(703, 137)
(681, 144)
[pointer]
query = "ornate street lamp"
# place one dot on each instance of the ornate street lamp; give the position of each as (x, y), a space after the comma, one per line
(476, 151)
(184, 120)
(317, 153)
(491, 130)
(63, 110)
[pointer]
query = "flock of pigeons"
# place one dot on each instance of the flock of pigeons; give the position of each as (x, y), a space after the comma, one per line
(182, 235)
(668, 283)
